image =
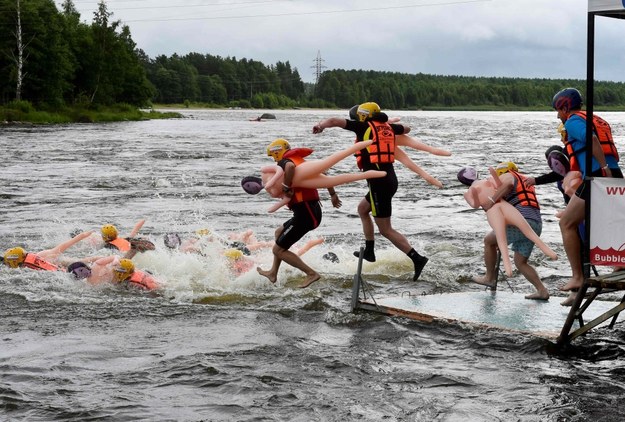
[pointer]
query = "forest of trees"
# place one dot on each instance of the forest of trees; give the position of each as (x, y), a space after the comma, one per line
(51, 58)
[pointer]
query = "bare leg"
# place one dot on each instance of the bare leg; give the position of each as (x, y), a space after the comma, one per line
(395, 237)
(364, 212)
(569, 300)
(272, 274)
(532, 276)
(401, 243)
(572, 216)
(295, 261)
(490, 260)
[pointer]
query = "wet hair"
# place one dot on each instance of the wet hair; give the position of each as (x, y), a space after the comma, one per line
(353, 112)
(331, 256)
(553, 148)
(379, 117)
(467, 175)
(79, 269)
(240, 246)
(172, 240)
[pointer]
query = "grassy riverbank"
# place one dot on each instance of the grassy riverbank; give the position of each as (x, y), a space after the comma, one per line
(24, 112)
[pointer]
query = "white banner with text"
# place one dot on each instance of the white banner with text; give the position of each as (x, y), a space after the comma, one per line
(607, 221)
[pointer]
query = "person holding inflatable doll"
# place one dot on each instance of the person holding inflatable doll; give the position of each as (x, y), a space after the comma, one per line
(306, 208)
(513, 211)
(372, 125)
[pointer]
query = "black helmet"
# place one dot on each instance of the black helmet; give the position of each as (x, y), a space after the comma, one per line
(568, 98)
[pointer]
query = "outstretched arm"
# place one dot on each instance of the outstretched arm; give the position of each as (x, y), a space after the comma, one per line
(52, 254)
(136, 229)
(331, 122)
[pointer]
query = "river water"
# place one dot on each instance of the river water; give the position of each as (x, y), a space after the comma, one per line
(213, 346)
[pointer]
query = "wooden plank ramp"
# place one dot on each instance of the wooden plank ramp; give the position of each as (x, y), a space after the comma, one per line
(499, 310)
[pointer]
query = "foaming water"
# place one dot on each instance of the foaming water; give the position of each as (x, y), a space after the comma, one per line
(214, 345)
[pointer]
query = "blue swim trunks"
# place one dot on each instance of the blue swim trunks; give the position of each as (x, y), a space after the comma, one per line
(517, 240)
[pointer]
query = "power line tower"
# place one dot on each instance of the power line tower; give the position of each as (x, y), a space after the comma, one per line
(318, 66)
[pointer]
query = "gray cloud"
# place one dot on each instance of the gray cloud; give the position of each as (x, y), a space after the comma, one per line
(512, 38)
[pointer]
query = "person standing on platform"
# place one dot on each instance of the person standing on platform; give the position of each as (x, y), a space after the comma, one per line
(568, 104)
(515, 191)
(372, 124)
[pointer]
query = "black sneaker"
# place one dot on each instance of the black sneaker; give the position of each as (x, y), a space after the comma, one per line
(368, 255)
(419, 263)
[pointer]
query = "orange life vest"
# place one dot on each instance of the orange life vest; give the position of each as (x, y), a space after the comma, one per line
(33, 262)
(142, 280)
(602, 130)
(121, 244)
(523, 195)
(382, 150)
(296, 156)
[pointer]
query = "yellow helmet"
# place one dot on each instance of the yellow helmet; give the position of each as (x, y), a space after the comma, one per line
(505, 167)
(562, 131)
(277, 148)
(109, 232)
(233, 254)
(367, 110)
(124, 270)
(203, 232)
(14, 257)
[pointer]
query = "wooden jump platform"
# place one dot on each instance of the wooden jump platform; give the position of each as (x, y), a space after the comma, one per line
(499, 310)
(601, 284)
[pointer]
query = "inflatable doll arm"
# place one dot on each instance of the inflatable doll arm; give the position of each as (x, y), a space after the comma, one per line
(136, 228)
(278, 175)
(285, 200)
(407, 141)
(403, 158)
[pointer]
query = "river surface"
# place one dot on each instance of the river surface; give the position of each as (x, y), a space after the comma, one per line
(213, 346)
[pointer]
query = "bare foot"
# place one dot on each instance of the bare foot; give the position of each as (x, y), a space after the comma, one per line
(572, 284)
(272, 277)
(538, 296)
(569, 300)
(310, 279)
(483, 281)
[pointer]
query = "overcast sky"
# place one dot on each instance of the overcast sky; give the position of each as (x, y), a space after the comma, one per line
(512, 38)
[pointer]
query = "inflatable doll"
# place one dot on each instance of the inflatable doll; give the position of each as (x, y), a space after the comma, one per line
(500, 215)
(309, 174)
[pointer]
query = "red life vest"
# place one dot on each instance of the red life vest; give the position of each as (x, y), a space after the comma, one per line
(296, 156)
(523, 195)
(121, 244)
(382, 150)
(33, 262)
(602, 130)
(142, 280)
